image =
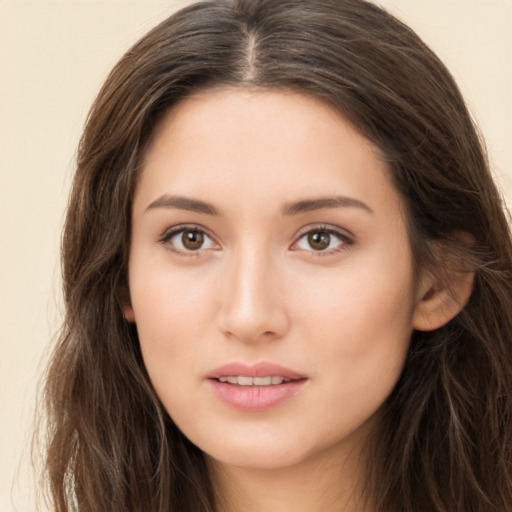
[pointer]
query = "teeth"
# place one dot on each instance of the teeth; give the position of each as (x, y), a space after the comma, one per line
(243, 380)
(262, 381)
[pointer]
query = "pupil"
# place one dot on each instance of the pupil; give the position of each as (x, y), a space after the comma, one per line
(319, 240)
(192, 240)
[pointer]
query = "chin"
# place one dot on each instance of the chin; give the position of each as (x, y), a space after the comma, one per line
(258, 458)
(267, 450)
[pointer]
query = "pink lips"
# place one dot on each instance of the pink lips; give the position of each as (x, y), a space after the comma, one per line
(254, 397)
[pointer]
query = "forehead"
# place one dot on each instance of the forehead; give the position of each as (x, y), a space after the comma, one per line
(282, 114)
(238, 143)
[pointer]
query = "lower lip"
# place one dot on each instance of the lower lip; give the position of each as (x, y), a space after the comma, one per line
(255, 398)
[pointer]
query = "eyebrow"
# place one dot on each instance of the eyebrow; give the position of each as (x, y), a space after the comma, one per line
(321, 203)
(184, 203)
(307, 205)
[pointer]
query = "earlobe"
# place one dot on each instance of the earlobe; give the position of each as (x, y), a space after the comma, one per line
(128, 313)
(438, 302)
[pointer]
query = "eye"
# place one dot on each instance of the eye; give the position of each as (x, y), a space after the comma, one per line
(323, 240)
(187, 240)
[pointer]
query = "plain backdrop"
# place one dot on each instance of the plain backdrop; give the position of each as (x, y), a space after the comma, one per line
(54, 56)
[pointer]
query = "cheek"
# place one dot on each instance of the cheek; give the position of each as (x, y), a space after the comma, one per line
(362, 321)
(361, 339)
(172, 314)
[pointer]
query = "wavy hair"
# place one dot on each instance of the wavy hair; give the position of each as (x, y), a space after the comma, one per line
(444, 443)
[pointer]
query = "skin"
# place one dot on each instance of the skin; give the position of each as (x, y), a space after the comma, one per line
(256, 290)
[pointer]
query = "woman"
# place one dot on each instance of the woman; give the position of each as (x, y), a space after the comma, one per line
(286, 274)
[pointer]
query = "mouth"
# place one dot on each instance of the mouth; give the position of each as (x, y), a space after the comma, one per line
(245, 380)
(255, 387)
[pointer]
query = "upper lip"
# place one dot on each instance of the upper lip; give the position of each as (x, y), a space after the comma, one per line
(261, 369)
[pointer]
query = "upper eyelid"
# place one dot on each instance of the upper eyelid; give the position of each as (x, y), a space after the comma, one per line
(183, 227)
(325, 227)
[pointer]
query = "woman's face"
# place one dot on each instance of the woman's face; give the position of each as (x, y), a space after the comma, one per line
(270, 277)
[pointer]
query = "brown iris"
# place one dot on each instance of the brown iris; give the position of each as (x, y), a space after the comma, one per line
(319, 240)
(192, 240)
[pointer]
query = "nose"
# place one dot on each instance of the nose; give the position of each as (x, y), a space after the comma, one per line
(253, 305)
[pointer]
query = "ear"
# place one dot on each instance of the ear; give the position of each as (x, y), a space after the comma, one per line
(441, 299)
(126, 303)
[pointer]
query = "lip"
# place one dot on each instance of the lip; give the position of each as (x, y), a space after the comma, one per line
(255, 398)
(261, 369)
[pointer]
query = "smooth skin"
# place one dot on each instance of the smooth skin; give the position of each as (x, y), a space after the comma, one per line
(233, 259)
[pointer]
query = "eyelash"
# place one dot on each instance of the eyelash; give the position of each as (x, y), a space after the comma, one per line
(176, 230)
(343, 237)
(345, 240)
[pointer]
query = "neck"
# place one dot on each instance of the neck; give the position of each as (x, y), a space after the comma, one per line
(328, 482)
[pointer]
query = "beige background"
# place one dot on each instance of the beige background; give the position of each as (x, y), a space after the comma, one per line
(53, 58)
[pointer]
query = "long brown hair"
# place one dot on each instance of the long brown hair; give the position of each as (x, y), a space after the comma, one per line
(446, 434)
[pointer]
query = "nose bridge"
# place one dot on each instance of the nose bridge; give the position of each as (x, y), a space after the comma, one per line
(252, 303)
